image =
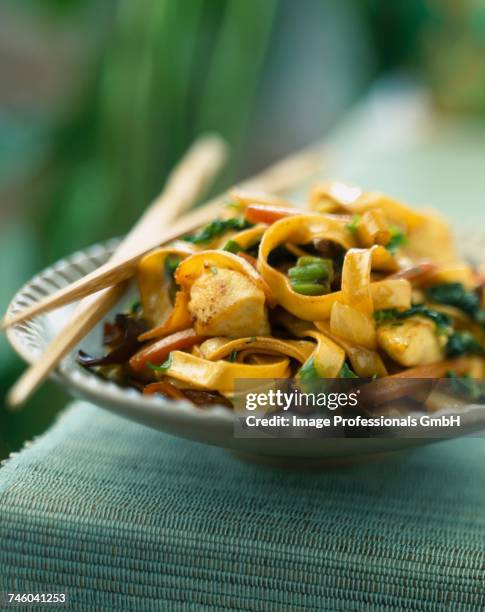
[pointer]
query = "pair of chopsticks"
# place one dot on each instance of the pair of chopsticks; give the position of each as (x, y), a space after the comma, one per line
(156, 226)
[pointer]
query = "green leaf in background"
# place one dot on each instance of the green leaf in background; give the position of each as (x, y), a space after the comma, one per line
(226, 101)
(170, 71)
(165, 72)
(173, 71)
(150, 76)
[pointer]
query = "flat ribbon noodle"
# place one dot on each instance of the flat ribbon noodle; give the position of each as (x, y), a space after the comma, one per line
(301, 229)
(328, 357)
(365, 362)
(178, 319)
(249, 237)
(221, 375)
(351, 317)
(219, 348)
(428, 234)
(153, 283)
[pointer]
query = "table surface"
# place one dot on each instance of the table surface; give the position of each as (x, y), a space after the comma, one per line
(123, 517)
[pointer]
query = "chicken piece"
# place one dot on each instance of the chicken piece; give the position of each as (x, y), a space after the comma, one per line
(412, 342)
(226, 303)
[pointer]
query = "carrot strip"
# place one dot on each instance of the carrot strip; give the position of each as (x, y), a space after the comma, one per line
(157, 352)
(262, 213)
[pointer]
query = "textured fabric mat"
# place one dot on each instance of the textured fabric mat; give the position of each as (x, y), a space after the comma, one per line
(123, 517)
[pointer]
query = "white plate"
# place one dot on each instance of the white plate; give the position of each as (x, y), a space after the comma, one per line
(211, 425)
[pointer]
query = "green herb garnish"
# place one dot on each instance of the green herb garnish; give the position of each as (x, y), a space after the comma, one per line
(307, 372)
(134, 307)
(171, 264)
(217, 228)
(161, 369)
(213, 270)
(386, 315)
(465, 386)
(352, 226)
(458, 343)
(347, 372)
(455, 294)
(463, 343)
(442, 321)
(232, 246)
(397, 239)
(233, 356)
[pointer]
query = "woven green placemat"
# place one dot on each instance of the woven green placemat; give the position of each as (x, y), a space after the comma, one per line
(123, 517)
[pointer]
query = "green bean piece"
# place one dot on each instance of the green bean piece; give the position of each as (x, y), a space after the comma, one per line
(310, 288)
(310, 272)
(311, 275)
(310, 259)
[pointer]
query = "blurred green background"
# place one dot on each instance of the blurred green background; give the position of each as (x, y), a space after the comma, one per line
(99, 98)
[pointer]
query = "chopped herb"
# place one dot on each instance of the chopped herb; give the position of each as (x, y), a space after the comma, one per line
(455, 294)
(459, 342)
(233, 356)
(442, 321)
(171, 264)
(386, 315)
(161, 369)
(213, 270)
(134, 307)
(352, 226)
(469, 387)
(463, 343)
(232, 247)
(308, 372)
(347, 372)
(397, 239)
(216, 228)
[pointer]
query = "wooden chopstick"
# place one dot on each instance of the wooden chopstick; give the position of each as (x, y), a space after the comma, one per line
(279, 177)
(186, 182)
(115, 270)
